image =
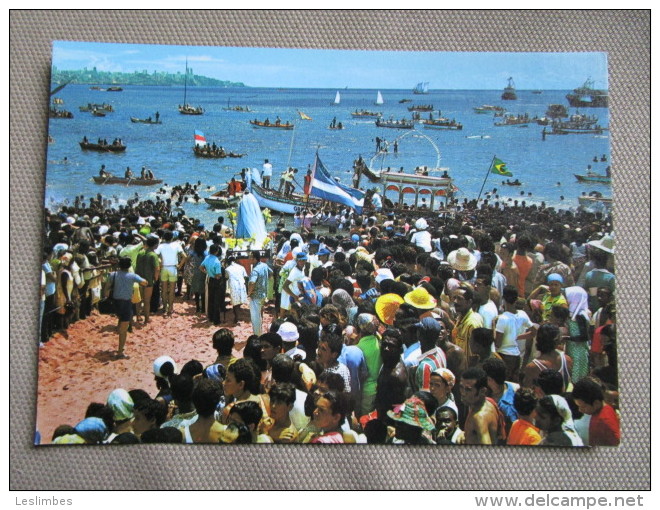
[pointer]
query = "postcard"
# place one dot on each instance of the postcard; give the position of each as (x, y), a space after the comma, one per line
(260, 245)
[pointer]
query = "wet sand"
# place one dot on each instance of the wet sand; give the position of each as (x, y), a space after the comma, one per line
(78, 367)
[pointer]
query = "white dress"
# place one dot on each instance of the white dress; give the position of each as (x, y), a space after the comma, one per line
(236, 276)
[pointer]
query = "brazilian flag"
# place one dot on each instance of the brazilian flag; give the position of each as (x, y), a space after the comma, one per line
(499, 167)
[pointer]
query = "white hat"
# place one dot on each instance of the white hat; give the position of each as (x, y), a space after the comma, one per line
(421, 224)
(288, 331)
(605, 243)
(158, 365)
(462, 260)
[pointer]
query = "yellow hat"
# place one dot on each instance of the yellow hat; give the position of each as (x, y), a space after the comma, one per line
(386, 307)
(421, 299)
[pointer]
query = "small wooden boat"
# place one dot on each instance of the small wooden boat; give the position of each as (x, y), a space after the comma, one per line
(595, 200)
(366, 113)
(98, 113)
(401, 101)
(222, 200)
(187, 109)
(102, 147)
(90, 107)
(287, 204)
(54, 113)
(219, 153)
(395, 124)
(132, 181)
(114, 89)
(488, 108)
(148, 120)
(522, 120)
(442, 123)
(511, 183)
(267, 124)
(421, 108)
(594, 178)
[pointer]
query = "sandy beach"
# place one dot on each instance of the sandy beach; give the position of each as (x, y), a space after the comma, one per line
(78, 366)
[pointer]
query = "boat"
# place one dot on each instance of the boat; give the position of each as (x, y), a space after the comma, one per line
(268, 124)
(209, 152)
(303, 115)
(556, 111)
(366, 113)
(90, 107)
(337, 98)
(98, 113)
(222, 200)
(286, 204)
(102, 147)
(127, 181)
(489, 108)
(595, 200)
(537, 92)
(588, 96)
(421, 108)
(509, 93)
(521, 120)
(511, 183)
(600, 179)
(396, 124)
(379, 99)
(187, 109)
(236, 108)
(58, 100)
(441, 123)
(114, 89)
(148, 120)
(95, 87)
(401, 101)
(421, 186)
(54, 113)
(421, 88)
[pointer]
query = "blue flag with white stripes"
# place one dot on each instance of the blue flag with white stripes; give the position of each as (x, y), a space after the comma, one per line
(326, 187)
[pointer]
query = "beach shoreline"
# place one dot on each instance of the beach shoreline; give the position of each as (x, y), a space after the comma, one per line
(77, 366)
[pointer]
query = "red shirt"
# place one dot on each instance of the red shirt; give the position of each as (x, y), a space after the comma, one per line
(604, 427)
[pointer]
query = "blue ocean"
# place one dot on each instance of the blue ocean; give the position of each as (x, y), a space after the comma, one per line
(545, 168)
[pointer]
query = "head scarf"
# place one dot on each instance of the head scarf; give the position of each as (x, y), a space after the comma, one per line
(342, 299)
(121, 404)
(367, 323)
(578, 302)
(567, 425)
(92, 430)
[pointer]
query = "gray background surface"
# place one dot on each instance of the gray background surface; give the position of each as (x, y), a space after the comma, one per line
(624, 35)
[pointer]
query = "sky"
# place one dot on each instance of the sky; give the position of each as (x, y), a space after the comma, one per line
(298, 68)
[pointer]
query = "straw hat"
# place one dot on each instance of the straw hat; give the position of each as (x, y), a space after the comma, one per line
(605, 243)
(413, 413)
(386, 307)
(421, 299)
(462, 260)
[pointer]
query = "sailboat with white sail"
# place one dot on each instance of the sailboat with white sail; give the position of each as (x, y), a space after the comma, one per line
(187, 109)
(337, 98)
(421, 88)
(379, 98)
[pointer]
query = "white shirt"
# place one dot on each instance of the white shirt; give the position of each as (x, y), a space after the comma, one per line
(267, 170)
(423, 240)
(511, 325)
(169, 253)
(488, 313)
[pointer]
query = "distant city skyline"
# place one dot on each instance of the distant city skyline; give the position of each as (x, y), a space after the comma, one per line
(359, 69)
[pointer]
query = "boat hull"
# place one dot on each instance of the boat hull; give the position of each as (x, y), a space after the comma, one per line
(221, 200)
(135, 120)
(127, 182)
(274, 126)
(101, 148)
(593, 179)
(276, 201)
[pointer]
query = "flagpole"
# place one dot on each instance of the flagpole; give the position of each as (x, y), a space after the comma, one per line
(486, 178)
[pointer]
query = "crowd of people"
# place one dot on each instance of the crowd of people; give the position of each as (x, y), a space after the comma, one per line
(491, 325)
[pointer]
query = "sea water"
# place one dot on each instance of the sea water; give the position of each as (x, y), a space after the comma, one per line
(546, 168)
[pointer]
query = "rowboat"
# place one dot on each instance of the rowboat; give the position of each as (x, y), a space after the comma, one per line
(395, 124)
(103, 147)
(601, 179)
(442, 123)
(219, 153)
(90, 107)
(267, 124)
(366, 113)
(421, 108)
(148, 120)
(127, 181)
(222, 200)
(287, 204)
(595, 200)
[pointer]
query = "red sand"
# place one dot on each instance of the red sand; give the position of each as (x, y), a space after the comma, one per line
(78, 366)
